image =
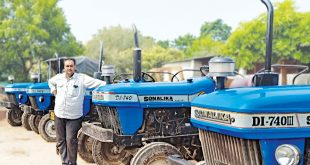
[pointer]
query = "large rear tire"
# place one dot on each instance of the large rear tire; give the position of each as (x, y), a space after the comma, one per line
(34, 121)
(85, 147)
(47, 128)
(14, 117)
(25, 121)
(155, 153)
(108, 154)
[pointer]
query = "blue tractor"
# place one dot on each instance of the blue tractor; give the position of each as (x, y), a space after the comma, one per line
(42, 101)
(265, 124)
(142, 121)
(41, 114)
(16, 93)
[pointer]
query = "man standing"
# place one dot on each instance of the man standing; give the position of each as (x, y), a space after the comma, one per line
(69, 89)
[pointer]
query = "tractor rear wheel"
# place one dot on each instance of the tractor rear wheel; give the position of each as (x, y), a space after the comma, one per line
(25, 121)
(108, 154)
(85, 147)
(14, 117)
(34, 121)
(47, 128)
(155, 153)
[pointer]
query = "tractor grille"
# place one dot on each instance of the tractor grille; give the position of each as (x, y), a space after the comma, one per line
(109, 118)
(33, 102)
(12, 98)
(221, 149)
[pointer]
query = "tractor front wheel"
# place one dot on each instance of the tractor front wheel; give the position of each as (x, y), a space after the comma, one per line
(47, 128)
(14, 117)
(34, 121)
(155, 153)
(109, 154)
(25, 121)
(85, 147)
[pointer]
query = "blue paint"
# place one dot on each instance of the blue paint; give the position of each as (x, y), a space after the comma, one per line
(20, 92)
(131, 119)
(268, 148)
(131, 113)
(259, 100)
(162, 88)
(280, 99)
(253, 133)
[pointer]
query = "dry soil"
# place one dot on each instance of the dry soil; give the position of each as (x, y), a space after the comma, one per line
(21, 147)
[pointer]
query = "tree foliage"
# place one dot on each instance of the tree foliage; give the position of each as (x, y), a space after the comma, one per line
(32, 29)
(184, 42)
(115, 39)
(206, 46)
(118, 49)
(217, 30)
(291, 29)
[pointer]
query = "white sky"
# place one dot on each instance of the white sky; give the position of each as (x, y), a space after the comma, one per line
(161, 19)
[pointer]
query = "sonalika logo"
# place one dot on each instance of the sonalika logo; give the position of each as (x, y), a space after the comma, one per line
(158, 98)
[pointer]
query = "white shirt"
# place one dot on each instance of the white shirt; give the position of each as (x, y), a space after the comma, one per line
(70, 93)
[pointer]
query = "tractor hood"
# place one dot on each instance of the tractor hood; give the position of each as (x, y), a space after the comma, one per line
(153, 94)
(39, 88)
(255, 112)
(183, 87)
(258, 99)
(17, 87)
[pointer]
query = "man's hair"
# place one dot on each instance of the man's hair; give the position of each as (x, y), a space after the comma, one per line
(70, 59)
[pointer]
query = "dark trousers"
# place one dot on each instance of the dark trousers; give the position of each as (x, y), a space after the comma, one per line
(66, 137)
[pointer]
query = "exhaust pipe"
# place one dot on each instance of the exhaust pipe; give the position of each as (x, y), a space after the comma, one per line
(105, 72)
(40, 72)
(267, 78)
(101, 58)
(137, 72)
(269, 35)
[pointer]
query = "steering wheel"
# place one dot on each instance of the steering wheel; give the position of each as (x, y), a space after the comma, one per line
(193, 70)
(147, 77)
(120, 77)
(125, 76)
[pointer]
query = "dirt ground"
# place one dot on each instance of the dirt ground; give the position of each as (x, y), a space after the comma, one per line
(19, 146)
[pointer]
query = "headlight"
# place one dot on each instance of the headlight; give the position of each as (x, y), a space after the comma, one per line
(20, 96)
(41, 99)
(287, 154)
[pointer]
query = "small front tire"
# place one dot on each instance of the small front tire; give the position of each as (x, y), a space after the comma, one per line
(14, 117)
(47, 129)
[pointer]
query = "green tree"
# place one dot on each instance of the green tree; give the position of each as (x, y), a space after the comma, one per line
(206, 46)
(32, 29)
(211, 40)
(116, 39)
(184, 42)
(165, 43)
(291, 29)
(218, 30)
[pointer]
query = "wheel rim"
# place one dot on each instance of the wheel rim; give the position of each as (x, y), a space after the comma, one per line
(49, 128)
(157, 160)
(155, 153)
(109, 154)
